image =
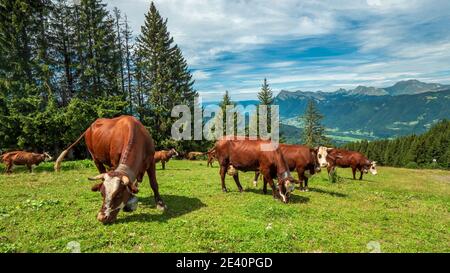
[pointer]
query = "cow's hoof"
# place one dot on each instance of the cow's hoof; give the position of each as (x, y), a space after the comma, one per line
(241, 190)
(161, 206)
(255, 183)
(224, 190)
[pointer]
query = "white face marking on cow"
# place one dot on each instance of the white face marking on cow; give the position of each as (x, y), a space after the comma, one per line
(322, 157)
(111, 185)
(373, 168)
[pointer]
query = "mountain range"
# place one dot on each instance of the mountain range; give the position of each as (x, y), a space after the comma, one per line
(369, 112)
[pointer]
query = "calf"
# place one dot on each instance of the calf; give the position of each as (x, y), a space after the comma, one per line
(211, 156)
(23, 158)
(194, 155)
(165, 156)
(355, 160)
(243, 154)
(300, 158)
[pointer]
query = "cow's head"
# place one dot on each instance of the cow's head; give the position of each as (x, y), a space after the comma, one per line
(117, 192)
(47, 157)
(371, 167)
(315, 157)
(286, 185)
(173, 152)
(322, 153)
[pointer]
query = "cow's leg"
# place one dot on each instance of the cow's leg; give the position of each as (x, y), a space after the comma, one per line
(269, 179)
(163, 163)
(151, 171)
(30, 169)
(354, 173)
(255, 180)
(264, 186)
(361, 171)
(238, 184)
(100, 167)
(301, 178)
(8, 167)
(223, 170)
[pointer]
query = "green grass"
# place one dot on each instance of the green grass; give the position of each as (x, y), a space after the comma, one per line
(403, 210)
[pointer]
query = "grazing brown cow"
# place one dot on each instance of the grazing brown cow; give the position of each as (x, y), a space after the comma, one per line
(245, 155)
(125, 146)
(211, 156)
(165, 156)
(355, 160)
(300, 158)
(23, 158)
(194, 155)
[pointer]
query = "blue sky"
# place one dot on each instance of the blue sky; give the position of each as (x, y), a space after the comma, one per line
(304, 45)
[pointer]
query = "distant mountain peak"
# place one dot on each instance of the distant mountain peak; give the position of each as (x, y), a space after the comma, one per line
(407, 87)
(413, 86)
(368, 91)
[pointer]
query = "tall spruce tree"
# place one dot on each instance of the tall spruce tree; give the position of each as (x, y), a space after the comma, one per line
(226, 101)
(128, 47)
(313, 133)
(162, 74)
(265, 97)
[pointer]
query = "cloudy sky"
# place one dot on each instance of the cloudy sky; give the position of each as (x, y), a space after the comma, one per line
(304, 44)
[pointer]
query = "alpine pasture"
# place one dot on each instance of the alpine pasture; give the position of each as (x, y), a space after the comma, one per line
(399, 210)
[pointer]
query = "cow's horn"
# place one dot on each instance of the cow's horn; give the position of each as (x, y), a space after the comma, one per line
(125, 180)
(329, 149)
(98, 177)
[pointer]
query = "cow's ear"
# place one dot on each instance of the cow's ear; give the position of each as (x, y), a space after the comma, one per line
(97, 187)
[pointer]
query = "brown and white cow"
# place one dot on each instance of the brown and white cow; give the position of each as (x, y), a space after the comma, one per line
(350, 159)
(243, 154)
(125, 146)
(299, 158)
(165, 156)
(23, 158)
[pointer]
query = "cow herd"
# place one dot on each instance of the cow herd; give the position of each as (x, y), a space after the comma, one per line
(123, 151)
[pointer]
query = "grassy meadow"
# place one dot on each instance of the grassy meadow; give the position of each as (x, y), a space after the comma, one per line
(401, 210)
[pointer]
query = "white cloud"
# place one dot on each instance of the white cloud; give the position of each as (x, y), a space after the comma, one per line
(200, 75)
(390, 43)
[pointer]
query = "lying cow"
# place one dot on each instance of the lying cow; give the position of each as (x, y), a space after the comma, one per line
(350, 159)
(165, 156)
(245, 155)
(125, 146)
(23, 158)
(194, 155)
(304, 160)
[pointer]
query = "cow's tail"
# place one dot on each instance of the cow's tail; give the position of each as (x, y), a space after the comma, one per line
(64, 153)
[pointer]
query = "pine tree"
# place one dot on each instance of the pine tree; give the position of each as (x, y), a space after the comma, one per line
(313, 131)
(162, 76)
(120, 50)
(127, 35)
(265, 97)
(63, 51)
(226, 101)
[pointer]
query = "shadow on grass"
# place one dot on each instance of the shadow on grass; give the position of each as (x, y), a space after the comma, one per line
(295, 198)
(332, 193)
(176, 207)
